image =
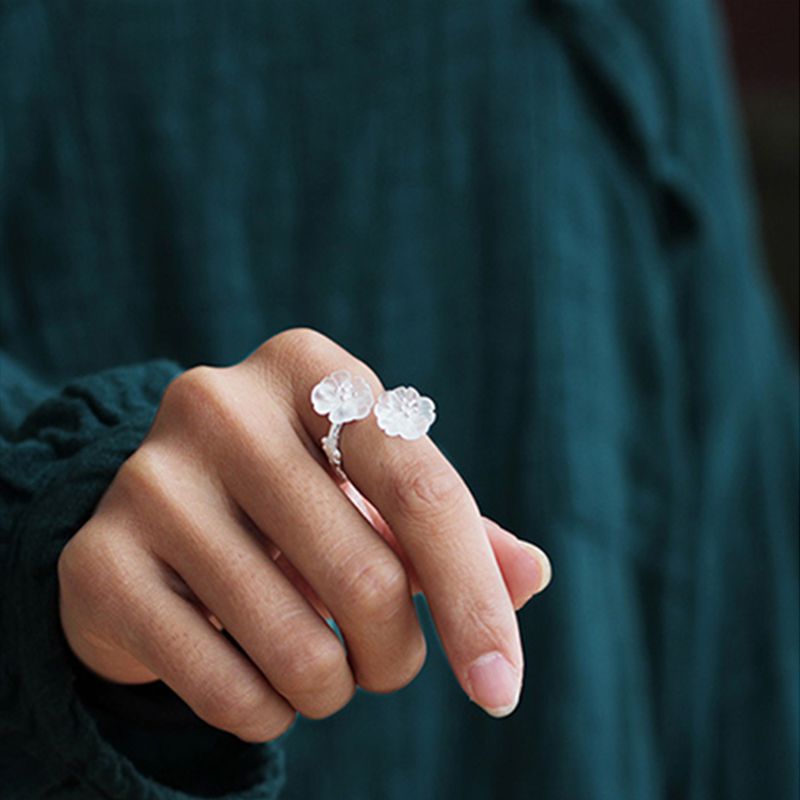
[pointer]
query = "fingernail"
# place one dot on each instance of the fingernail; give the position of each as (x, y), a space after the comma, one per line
(542, 563)
(494, 684)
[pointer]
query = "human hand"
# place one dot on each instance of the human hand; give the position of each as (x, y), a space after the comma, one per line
(227, 517)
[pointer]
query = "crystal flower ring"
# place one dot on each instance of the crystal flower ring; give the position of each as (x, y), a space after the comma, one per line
(341, 398)
(405, 412)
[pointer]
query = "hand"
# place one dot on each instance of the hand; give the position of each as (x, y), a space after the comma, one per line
(227, 517)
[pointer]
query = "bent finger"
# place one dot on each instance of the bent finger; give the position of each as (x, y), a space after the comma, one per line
(172, 638)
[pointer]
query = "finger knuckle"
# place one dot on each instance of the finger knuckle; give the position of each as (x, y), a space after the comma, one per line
(151, 503)
(95, 567)
(71, 565)
(231, 706)
(144, 480)
(294, 343)
(378, 588)
(403, 669)
(77, 591)
(145, 470)
(290, 354)
(312, 669)
(417, 652)
(187, 388)
(422, 490)
(325, 704)
(266, 727)
(194, 395)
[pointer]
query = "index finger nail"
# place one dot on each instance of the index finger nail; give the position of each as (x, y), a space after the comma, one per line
(494, 684)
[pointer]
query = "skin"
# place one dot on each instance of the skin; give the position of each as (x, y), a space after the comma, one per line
(228, 517)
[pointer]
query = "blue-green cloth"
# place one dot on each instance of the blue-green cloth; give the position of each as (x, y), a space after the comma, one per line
(535, 212)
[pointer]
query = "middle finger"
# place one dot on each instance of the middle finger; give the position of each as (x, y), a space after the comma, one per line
(290, 497)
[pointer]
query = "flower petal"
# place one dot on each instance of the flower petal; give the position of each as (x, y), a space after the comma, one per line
(341, 377)
(324, 396)
(427, 408)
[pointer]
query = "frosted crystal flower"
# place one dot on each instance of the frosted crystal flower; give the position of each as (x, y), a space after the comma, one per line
(342, 398)
(404, 412)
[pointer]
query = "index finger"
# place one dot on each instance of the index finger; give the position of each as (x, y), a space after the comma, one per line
(438, 524)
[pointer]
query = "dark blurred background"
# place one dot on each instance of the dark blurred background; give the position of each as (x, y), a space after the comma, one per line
(764, 40)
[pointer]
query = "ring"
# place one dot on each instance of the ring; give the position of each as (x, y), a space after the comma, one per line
(342, 398)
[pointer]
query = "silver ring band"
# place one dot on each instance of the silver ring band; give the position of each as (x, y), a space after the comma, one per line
(330, 446)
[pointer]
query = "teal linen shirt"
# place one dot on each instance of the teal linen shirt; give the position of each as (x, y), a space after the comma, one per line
(535, 212)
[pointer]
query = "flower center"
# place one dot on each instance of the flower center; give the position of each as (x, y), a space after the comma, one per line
(410, 406)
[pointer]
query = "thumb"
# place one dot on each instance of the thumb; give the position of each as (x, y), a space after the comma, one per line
(526, 568)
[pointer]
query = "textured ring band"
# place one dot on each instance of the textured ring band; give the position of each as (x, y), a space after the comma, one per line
(330, 446)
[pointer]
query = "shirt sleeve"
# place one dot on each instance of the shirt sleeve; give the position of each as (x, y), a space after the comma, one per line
(64, 732)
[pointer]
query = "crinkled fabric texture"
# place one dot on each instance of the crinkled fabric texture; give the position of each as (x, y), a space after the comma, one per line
(533, 211)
